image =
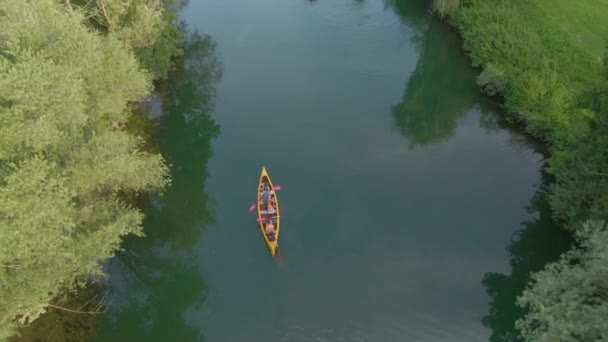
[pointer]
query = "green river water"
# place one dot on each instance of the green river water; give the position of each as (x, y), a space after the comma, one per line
(409, 211)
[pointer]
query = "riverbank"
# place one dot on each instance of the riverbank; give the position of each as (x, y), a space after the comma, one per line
(544, 61)
(547, 79)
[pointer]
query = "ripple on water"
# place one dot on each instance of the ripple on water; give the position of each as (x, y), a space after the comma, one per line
(359, 21)
(419, 327)
(361, 30)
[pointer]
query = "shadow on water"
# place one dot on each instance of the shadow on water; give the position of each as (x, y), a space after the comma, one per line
(539, 242)
(157, 280)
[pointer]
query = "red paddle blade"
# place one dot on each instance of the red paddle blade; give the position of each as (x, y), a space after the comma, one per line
(276, 187)
(252, 208)
(279, 256)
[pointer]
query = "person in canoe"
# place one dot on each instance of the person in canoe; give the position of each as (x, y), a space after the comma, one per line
(271, 204)
(270, 229)
(267, 199)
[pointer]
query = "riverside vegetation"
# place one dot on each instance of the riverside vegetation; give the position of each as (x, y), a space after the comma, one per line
(72, 72)
(71, 75)
(544, 60)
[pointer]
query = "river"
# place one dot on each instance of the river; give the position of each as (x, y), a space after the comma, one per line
(409, 211)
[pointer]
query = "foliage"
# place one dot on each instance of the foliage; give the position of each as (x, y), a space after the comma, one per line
(158, 58)
(66, 161)
(149, 27)
(583, 21)
(445, 8)
(567, 301)
(492, 80)
(581, 188)
(545, 79)
(551, 82)
(134, 22)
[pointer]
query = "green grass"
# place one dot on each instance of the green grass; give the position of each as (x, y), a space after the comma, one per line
(541, 56)
(584, 22)
(570, 34)
(555, 22)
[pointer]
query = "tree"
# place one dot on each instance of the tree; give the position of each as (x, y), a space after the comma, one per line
(149, 27)
(581, 188)
(568, 299)
(66, 161)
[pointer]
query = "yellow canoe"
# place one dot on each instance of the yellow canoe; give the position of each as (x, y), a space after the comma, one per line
(268, 214)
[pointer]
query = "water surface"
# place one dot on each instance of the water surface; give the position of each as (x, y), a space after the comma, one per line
(409, 212)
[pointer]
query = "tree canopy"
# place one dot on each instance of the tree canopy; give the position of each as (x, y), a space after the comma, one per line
(67, 161)
(567, 301)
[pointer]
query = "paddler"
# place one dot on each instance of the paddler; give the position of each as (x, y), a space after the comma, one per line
(270, 228)
(266, 196)
(270, 231)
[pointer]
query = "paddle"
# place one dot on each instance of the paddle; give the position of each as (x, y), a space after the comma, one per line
(260, 219)
(252, 208)
(279, 256)
(276, 187)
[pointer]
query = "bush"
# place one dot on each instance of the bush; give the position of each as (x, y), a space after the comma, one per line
(492, 80)
(445, 8)
(568, 300)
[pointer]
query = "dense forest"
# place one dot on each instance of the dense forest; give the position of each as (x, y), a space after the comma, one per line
(72, 161)
(545, 61)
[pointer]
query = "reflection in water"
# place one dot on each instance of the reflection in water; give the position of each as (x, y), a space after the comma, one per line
(185, 139)
(440, 90)
(156, 280)
(529, 252)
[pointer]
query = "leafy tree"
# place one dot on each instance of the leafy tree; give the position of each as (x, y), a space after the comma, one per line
(581, 188)
(66, 162)
(149, 27)
(135, 22)
(568, 299)
(158, 58)
(445, 8)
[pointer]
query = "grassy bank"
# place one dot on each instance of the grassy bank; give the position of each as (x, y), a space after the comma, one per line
(544, 60)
